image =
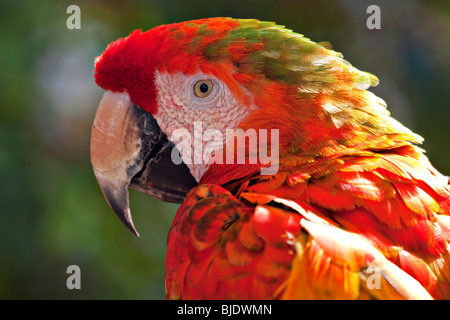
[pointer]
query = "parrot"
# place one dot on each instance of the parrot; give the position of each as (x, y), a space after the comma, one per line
(347, 205)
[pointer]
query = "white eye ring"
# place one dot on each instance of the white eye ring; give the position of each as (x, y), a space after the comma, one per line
(203, 88)
(204, 91)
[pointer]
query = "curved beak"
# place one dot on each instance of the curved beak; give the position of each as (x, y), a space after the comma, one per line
(128, 149)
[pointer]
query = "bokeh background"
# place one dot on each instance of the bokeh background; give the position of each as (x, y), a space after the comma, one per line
(52, 213)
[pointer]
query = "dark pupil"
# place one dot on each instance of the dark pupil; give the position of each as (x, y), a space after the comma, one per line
(203, 88)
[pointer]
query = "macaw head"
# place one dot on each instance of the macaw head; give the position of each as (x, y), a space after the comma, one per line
(192, 85)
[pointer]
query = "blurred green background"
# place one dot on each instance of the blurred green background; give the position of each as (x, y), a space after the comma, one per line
(52, 213)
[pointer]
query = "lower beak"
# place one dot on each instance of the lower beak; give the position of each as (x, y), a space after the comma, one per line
(128, 149)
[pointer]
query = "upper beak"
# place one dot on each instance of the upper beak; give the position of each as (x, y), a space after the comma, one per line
(128, 149)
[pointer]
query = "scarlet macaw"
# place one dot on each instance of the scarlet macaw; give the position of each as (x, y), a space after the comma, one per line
(353, 211)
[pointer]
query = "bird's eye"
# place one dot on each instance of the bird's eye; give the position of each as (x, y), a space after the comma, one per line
(203, 88)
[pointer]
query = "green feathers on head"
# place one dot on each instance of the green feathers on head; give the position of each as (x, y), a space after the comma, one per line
(288, 57)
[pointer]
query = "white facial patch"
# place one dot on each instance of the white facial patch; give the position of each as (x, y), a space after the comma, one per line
(180, 109)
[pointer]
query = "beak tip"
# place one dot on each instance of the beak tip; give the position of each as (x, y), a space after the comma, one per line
(125, 217)
(130, 226)
(135, 232)
(123, 212)
(116, 194)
